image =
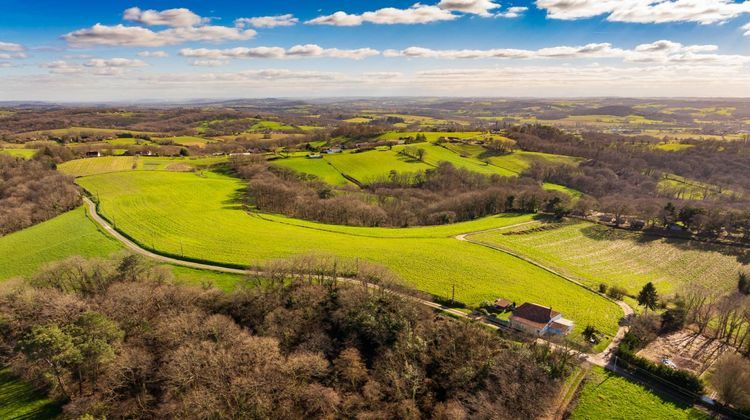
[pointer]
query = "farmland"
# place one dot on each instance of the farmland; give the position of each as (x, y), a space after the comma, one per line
(15, 152)
(608, 396)
(197, 216)
(69, 234)
(19, 400)
(105, 164)
(596, 254)
(318, 167)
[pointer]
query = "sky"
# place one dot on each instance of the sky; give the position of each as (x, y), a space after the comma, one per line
(112, 50)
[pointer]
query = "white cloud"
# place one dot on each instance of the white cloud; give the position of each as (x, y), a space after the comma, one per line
(208, 63)
(647, 11)
(267, 21)
(114, 62)
(746, 28)
(512, 12)
(62, 67)
(9, 46)
(135, 36)
(297, 51)
(477, 7)
(6, 65)
(657, 52)
(416, 14)
(153, 54)
(12, 56)
(172, 17)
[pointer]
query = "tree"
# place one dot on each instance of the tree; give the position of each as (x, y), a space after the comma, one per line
(421, 153)
(743, 284)
(590, 333)
(54, 351)
(731, 379)
(648, 296)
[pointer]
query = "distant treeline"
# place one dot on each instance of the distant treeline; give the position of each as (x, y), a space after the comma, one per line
(621, 176)
(32, 192)
(441, 195)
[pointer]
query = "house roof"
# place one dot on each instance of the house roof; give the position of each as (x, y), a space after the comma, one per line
(535, 313)
(503, 303)
(561, 324)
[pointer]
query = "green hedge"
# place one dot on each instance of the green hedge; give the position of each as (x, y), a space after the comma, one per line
(681, 378)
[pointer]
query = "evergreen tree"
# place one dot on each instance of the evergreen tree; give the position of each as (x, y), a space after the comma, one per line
(648, 296)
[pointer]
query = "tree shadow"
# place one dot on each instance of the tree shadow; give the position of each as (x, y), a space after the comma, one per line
(237, 201)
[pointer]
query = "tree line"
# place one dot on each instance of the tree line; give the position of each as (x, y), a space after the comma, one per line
(441, 195)
(118, 338)
(32, 192)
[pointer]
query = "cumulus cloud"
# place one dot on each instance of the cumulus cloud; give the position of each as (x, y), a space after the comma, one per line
(512, 12)
(416, 14)
(662, 51)
(9, 46)
(267, 21)
(208, 63)
(114, 62)
(153, 54)
(297, 51)
(171, 17)
(135, 36)
(62, 67)
(477, 7)
(12, 56)
(647, 11)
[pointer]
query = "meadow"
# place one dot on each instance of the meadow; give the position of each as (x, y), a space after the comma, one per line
(105, 164)
(199, 217)
(608, 396)
(19, 400)
(69, 234)
(595, 254)
(318, 167)
(15, 152)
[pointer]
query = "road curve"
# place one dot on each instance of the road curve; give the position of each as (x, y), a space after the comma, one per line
(600, 359)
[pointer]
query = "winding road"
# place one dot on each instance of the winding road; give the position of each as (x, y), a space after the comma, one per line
(600, 359)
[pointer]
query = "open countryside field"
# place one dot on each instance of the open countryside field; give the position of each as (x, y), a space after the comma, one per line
(19, 400)
(72, 233)
(22, 153)
(184, 213)
(318, 167)
(596, 254)
(105, 164)
(370, 166)
(608, 396)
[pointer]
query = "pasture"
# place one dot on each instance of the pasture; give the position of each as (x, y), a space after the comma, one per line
(608, 396)
(72, 233)
(198, 217)
(15, 152)
(430, 135)
(105, 164)
(595, 254)
(370, 166)
(19, 400)
(318, 167)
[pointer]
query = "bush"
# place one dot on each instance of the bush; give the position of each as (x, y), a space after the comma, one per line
(616, 292)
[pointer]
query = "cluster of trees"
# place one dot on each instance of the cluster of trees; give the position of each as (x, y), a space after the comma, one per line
(117, 338)
(32, 192)
(621, 176)
(437, 196)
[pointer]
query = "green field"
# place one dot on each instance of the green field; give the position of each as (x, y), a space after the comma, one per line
(75, 131)
(608, 396)
(317, 167)
(186, 140)
(72, 233)
(369, 166)
(18, 400)
(106, 164)
(197, 215)
(595, 254)
(673, 147)
(430, 135)
(22, 153)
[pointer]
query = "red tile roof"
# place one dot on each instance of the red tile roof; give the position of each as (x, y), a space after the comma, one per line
(535, 313)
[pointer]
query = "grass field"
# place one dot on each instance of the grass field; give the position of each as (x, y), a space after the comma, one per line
(23, 252)
(186, 140)
(430, 135)
(597, 254)
(105, 164)
(22, 153)
(673, 147)
(18, 400)
(608, 396)
(369, 166)
(75, 131)
(317, 167)
(185, 213)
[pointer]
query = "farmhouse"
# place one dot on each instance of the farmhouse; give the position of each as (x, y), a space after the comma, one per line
(539, 320)
(504, 304)
(314, 156)
(93, 154)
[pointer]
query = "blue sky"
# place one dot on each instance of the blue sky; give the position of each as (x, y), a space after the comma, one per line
(115, 50)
